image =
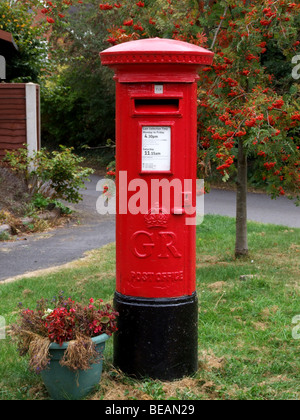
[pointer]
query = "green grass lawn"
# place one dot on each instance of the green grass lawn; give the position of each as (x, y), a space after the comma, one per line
(246, 348)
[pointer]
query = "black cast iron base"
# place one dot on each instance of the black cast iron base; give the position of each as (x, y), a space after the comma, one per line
(157, 338)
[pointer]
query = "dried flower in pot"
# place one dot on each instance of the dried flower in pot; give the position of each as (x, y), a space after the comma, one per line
(66, 344)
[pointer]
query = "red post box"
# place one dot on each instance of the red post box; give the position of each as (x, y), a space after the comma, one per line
(156, 155)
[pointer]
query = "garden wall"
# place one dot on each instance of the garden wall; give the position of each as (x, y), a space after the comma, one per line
(19, 116)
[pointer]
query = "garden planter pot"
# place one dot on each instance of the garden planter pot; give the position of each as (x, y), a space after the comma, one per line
(62, 383)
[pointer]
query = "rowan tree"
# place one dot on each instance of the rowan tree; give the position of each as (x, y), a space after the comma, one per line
(245, 113)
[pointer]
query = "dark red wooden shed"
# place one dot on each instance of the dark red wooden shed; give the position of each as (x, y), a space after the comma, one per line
(19, 106)
(19, 116)
(7, 44)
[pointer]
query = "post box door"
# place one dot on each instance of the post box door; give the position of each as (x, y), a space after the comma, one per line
(156, 150)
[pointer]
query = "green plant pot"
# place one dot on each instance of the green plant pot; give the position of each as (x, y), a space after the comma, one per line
(62, 383)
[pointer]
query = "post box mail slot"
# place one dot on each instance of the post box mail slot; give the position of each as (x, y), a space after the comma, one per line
(156, 147)
(156, 106)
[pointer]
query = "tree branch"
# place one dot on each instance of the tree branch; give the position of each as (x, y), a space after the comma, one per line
(218, 29)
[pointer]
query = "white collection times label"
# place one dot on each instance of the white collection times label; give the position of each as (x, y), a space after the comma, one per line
(156, 149)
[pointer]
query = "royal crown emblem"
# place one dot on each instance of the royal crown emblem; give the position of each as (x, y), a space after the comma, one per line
(157, 218)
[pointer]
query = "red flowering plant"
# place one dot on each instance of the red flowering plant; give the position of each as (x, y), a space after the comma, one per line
(109, 188)
(111, 170)
(68, 321)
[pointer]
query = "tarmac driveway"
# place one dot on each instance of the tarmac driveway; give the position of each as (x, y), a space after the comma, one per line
(39, 251)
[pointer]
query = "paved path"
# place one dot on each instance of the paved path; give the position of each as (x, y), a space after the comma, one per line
(261, 208)
(64, 245)
(40, 251)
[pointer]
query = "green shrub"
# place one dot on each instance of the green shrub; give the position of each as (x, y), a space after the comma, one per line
(41, 202)
(56, 175)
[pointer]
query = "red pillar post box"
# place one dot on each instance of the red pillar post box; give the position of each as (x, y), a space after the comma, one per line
(156, 155)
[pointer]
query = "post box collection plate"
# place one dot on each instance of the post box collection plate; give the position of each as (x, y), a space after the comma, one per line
(156, 142)
(156, 149)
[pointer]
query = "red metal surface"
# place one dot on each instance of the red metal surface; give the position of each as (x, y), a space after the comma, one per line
(155, 252)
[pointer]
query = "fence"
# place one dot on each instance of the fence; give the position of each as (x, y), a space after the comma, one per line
(19, 117)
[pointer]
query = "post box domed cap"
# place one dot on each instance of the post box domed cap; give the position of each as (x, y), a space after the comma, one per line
(156, 50)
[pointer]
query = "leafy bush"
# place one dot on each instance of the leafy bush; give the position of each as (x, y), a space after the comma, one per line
(56, 175)
(40, 202)
(4, 236)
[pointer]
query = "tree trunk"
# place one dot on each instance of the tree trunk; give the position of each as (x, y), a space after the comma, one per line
(241, 245)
